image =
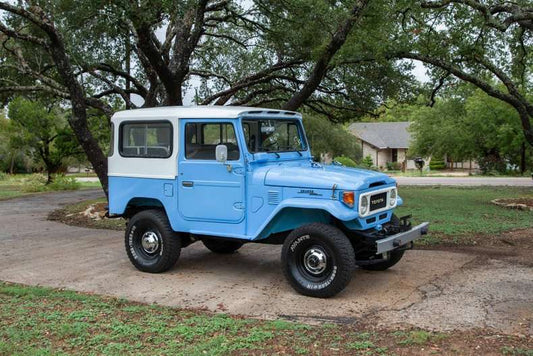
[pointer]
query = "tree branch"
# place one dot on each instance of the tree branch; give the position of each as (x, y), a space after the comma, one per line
(321, 66)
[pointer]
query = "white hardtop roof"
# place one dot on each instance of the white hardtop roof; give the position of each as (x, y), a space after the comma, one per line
(202, 112)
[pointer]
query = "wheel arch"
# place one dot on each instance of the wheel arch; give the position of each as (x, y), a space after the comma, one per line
(136, 205)
(290, 218)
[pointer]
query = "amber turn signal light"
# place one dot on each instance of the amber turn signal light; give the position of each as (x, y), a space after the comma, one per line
(348, 198)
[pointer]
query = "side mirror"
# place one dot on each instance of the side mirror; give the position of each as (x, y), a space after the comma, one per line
(221, 153)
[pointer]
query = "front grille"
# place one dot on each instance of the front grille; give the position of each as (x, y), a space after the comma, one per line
(378, 201)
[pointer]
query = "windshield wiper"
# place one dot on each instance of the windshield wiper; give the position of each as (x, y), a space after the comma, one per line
(268, 150)
(290, 149)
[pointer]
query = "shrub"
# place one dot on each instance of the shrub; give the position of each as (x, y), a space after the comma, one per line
(491, 165)
(437, 164)
(345, 161)
(394, 166)
(3, 176)
(34, 183)
(367, 162)
(62, 182)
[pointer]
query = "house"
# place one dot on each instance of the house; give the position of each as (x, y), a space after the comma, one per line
(384, 142)
(389, 142)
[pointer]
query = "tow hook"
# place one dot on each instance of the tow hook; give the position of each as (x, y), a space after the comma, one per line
(405, 224)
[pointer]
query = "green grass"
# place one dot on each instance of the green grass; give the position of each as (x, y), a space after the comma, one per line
(17, 185)
(458, 214)
(43, 321)
(90, 185)
(81, 175)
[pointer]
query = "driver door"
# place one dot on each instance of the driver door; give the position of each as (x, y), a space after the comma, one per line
(210, 190)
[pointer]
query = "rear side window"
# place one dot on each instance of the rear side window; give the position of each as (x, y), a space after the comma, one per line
(201, 140)
(150, 139)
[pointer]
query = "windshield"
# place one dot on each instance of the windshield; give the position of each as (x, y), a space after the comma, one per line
(273, 135)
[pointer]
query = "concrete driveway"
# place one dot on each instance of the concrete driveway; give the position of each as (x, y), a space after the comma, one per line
(432, 289)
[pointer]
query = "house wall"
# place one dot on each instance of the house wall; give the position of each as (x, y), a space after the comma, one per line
(368, 150)
(383, 157)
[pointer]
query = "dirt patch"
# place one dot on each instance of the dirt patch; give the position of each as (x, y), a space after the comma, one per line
(515, 203)
(87, 214)
(513, 246)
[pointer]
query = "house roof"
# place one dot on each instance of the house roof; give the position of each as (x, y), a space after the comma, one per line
(204, 112)
(383, 134)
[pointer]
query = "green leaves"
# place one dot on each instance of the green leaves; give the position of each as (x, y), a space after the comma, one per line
(41, 130)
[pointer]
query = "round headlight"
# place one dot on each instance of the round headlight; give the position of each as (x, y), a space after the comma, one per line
(392, 197)
(364, 205)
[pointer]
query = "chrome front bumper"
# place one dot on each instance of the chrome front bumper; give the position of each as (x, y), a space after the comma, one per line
(392, 242)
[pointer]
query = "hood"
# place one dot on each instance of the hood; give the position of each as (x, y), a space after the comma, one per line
(323, 177)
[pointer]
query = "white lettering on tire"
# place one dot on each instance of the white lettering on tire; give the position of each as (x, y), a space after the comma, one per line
(130, 242)
(324, 284)
(298, 240)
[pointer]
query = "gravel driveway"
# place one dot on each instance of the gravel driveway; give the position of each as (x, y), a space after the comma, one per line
(438, 290)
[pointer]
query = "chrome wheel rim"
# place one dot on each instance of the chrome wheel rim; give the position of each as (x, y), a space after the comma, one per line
(315, 260)
(150, 242)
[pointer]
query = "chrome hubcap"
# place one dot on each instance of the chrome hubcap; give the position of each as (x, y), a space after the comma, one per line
(150, 242)
(315, 260)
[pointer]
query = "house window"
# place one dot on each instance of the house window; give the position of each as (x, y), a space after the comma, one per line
(394, 155)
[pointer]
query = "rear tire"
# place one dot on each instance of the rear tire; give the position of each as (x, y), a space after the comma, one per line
(151, 244)
(318, 260)
(222, 246)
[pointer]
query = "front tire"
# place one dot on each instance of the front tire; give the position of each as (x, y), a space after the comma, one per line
(151, 244)
(394, 258)
(318, 260)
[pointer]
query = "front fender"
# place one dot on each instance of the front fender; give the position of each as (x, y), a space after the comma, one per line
(333, 207)
(295, 212)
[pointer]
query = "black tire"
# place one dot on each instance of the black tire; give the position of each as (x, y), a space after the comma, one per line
(394, 256)
(222, 246)
(162, 246)
(318, 260)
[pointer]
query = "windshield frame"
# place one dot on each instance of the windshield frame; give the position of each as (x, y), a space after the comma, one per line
(298, 123)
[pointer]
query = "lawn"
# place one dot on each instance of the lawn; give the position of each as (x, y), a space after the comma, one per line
(462, 214)
(12, 186)
(43, 321)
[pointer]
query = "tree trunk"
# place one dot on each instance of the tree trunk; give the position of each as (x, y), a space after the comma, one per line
(78, 120)
(12, 166)
(523, 158)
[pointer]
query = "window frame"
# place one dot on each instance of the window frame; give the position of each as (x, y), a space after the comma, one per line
(111, 150)
(210, 122)
(144, 122)
(299, 126)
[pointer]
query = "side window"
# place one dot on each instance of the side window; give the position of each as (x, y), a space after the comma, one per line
(201, 140)
(146, 139)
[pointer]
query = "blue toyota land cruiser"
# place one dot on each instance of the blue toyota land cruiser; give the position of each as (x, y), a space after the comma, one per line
(227, 176)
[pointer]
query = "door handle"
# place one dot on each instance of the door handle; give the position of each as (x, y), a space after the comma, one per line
(187, 183)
